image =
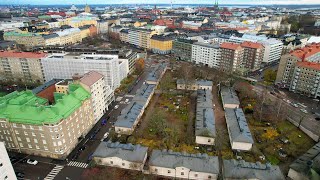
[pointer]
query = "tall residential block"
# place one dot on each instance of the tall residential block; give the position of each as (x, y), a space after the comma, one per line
(24, 67)
(252, 55)
(65, 65)
(31, 124)
(231, 57)
(182, 49)
(6, 169)
(206, 54)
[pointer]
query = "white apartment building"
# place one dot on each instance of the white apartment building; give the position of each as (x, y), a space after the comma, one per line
(133, 37)
(272, 47)
(65, 65)
(6, 169)
(101, 94)
(206, 54)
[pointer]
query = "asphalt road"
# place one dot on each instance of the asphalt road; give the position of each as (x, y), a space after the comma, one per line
(73, 171)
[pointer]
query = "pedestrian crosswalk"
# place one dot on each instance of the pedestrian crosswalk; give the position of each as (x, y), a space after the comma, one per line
(78, 164)
(53, 172)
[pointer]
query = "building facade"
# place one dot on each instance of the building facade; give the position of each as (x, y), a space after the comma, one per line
(24, 67)
(206, 54)
(231, 57)
(26, 39)
(6, 169)
(182, 49)
(65, 65)
(252, 55)
(161, 44)
(30, 125)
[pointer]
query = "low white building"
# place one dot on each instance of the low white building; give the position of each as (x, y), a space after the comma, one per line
(183, 165)
(206, 54)
(6, 169)
(126, 156)
(205, 130)
(101, 94)
(239, 132)
(65, 65)
(194, 85)
(229, 98)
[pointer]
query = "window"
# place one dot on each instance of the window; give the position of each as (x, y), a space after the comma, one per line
(35, 140)
(209, 177)
(195, 175)
(33, 134)
(123, 164)
(44, 141)
(29, 145)
(17, 132)
(209, 140)
(169, 171)
(111, 162)
(19, 139)
(26, 133)
(28, 139)
(156, 170)
(182, 173)
(45, 148)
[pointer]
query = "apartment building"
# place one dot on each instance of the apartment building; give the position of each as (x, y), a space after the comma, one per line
(126, 156)
(124, 35)
(30, 125)
(183, 165)
(252, 55)
(6, 169)
(23, 67)
(162, 44)
(102, 95)
(102, 26)
(231, 57)
(69, 36)
(205, 121)
(140, 37)
(65, 65)
(272, 47)
(299, 70)
(182, 49)
(206, 54)
(27, 39)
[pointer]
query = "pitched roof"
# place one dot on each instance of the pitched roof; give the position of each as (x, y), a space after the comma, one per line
(22, 54)
(90, 78)
(252, 45)
(307, 51)
(195, 162)
(245, 170)
(237, 126)
(309, 65)
(128, 152)
(228, 45)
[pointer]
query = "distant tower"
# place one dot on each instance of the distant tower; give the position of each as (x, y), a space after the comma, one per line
(216, 4)
(87, 9)
(171, 4)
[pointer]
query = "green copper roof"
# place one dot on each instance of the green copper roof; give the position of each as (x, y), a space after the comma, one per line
(15, 33)
(26, 108)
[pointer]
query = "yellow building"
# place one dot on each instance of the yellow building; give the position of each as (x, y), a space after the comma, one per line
(139, 24)
(84, 31)
(161, 44)
(24, 38)
(79, 21)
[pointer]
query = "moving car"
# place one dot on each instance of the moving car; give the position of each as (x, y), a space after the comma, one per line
(116, 106)
(32, 162)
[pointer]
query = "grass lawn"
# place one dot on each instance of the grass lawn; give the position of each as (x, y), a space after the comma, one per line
(3, 94)
(269, 140)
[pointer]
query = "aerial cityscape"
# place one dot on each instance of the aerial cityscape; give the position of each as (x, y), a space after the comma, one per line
(160, 90)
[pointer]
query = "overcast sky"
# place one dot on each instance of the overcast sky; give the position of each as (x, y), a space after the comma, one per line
(42, 2)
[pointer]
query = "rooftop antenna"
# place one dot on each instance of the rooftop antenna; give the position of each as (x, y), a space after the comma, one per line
(171, 4)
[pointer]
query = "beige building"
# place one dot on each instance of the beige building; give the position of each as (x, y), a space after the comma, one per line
(22, 67)
(231, 57)
(28, 124)
(27, 39)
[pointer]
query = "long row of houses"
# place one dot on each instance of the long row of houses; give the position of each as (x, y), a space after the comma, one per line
(167, 163)
(130, 116)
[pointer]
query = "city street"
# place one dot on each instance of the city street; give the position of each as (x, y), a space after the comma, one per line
(78, 160)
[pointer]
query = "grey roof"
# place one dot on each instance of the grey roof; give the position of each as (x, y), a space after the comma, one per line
(194, 162)
(49, 36)
(155, 74)
(45, 86)
(229, 96)
(205, 121)
(144, 93)
(245, 170)
(129, 115)
(190, 82)
(204, 83)
(6, 44)
(237, 126)
(216, 46)
(128, 152)
(309, 160)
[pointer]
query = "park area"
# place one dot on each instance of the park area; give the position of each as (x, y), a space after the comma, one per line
(276, 139)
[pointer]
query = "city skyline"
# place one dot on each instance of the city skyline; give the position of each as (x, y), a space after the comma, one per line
(222, 2)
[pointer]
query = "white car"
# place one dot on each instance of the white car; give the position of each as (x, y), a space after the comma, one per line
(304, 111)
(116, 106)
(126, 101)
(32, 162)
(106, 135)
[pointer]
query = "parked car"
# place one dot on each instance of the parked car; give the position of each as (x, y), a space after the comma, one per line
(103, 122)
(106, 135)
(116, 106)
(126, 101)
(32, 162)
(20, 175)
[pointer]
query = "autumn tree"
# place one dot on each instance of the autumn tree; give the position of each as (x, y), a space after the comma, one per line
(140, 65)
(270, 75)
